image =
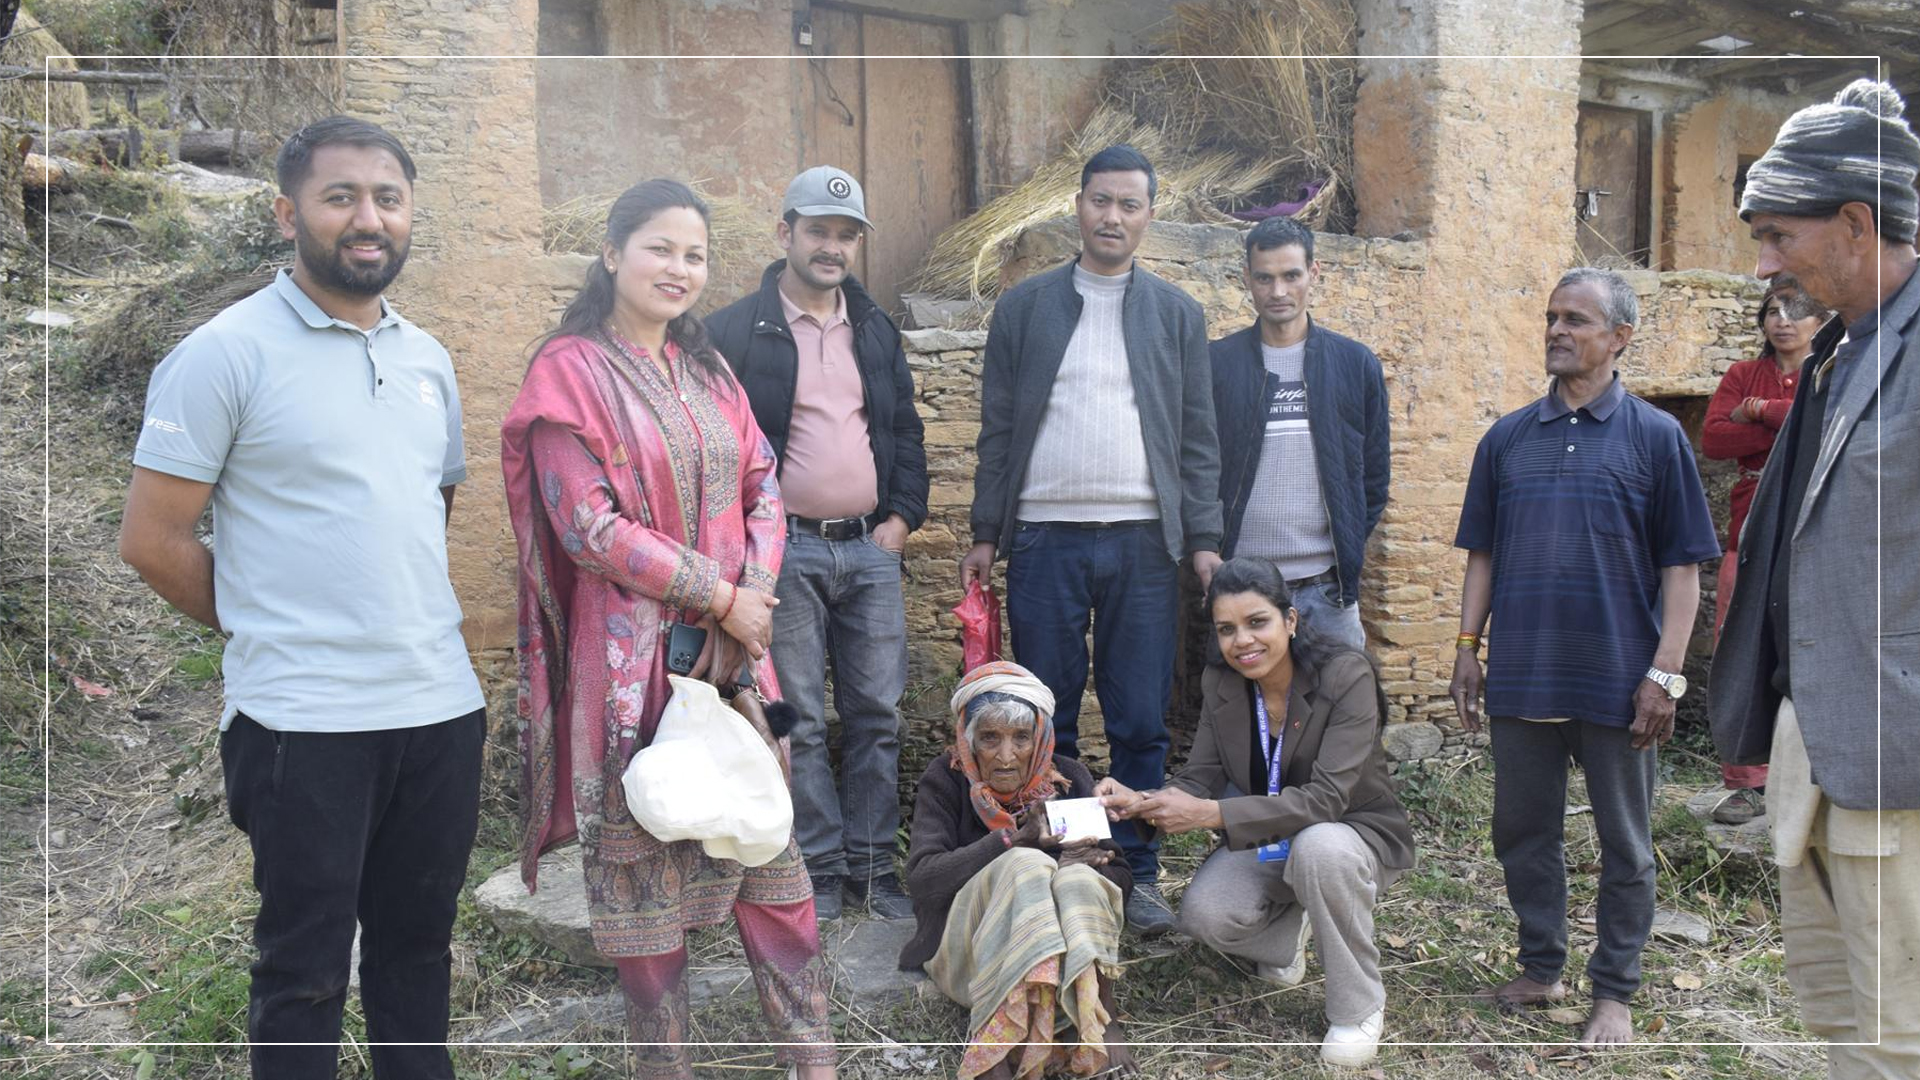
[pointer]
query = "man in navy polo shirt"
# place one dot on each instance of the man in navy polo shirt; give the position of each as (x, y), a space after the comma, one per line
(1585, 525)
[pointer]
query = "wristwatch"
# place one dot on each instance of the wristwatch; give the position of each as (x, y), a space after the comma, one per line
(1674, 685)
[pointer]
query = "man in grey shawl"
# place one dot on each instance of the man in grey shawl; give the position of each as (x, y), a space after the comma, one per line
(1819, 662)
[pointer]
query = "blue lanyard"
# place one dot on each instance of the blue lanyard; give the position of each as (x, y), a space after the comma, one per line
(1273, 758)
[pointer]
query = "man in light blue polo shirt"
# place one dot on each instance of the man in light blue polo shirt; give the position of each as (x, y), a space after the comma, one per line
(325, 431)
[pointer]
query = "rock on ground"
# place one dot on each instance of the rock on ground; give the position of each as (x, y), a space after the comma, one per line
(1681, 926)
(1415, 740)
(556, 916)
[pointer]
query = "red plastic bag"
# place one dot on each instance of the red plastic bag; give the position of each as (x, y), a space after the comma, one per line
(979, 616)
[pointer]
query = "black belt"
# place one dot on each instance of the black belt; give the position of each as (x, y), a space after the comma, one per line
(848, 528)
(1325, 577)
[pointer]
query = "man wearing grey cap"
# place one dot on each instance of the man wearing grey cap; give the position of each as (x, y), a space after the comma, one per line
(1819, 662)
(829, 384)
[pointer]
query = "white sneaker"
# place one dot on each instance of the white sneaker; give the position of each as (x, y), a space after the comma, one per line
(1353, 1045)
(1296, 969)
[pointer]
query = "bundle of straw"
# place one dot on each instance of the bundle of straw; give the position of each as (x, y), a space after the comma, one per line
(1273, 80)
(965, 259)
(30, 46)
(735, 228)
(1249, 103)
(739, 239)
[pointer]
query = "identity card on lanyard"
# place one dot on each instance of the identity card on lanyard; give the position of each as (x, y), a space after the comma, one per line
(1271, 852)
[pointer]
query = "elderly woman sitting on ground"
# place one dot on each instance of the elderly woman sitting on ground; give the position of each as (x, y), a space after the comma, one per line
(1013, 923)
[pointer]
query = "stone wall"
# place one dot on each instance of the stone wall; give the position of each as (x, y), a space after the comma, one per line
(1452, 304)
(1383, 292)
(476, 279)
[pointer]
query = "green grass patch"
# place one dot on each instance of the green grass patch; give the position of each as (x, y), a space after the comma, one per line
(201, 665)
(23, 1014)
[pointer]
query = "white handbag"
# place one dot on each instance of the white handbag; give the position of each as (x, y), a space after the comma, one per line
(709, 776)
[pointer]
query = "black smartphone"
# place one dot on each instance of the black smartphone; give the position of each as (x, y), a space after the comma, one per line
(684, 643)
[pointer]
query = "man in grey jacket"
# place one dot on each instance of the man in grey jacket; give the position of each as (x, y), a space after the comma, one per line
(1819, 661)
(1098, 472)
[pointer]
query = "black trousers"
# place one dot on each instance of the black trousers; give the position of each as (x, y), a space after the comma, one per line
(372, 828)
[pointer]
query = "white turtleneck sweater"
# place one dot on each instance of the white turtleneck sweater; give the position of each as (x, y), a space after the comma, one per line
(1089, 462)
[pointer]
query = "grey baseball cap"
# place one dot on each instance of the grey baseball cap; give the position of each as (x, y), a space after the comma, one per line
(824, 191)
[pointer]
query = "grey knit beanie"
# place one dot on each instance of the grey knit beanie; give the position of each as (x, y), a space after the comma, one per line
(1858, 149)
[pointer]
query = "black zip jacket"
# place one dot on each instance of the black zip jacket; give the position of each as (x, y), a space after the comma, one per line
(1347, 416)
(752, 334)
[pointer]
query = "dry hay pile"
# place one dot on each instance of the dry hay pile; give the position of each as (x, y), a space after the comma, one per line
(739, 238)
(155, 317)
(577, 226)
(1250, 103)
(1274, 81)
(965, 259)
(34, 46)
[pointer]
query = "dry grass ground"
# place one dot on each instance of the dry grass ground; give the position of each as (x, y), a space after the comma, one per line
(127, 893)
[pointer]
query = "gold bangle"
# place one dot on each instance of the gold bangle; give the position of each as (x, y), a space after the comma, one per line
(1467, 641)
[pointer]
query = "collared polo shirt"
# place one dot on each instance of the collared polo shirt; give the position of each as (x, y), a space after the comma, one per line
(1581, 509)
(827, 469)
(327, 446)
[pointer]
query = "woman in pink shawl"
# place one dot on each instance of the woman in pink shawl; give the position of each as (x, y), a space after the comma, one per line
(642, 495)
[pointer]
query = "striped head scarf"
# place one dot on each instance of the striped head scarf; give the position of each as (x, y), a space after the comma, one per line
(1856, 149)
(1043, 781)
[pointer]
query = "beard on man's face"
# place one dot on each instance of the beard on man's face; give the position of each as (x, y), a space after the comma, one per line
(329, 265)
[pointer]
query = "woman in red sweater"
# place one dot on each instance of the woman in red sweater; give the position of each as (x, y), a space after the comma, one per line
(1742, 420)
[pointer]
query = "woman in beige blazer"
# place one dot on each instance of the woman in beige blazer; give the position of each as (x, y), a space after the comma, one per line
(1287, 763)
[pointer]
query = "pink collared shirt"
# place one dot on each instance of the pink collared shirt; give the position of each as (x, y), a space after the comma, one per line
(827, 470)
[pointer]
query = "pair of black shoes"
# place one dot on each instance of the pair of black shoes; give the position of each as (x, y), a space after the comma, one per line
(880, 897)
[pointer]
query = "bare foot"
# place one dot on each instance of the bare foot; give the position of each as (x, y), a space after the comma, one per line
(815, 1072)
(1521, 991)
(1120, 1061)
(1610, 1024)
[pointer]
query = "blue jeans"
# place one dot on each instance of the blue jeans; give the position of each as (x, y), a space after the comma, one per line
(840, 604)
(1119, 578)
(1319, 607)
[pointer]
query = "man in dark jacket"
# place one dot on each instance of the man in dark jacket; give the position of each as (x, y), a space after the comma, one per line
(1818, 667)
(823, 368)
(1302, 418)
(1098, 472)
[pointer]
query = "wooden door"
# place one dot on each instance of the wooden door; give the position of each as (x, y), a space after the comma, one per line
(900, 126)
(1612, 173)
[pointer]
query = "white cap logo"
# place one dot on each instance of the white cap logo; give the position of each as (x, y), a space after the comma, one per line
(838, 187)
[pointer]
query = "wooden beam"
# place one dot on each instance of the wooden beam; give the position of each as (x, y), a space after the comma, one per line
(104, 78)
(1648, 76)
(1762, 26)
(1635, 37)
(1610, 15)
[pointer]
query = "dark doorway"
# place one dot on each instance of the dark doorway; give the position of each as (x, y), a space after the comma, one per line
(901, 125)
(1613, 173)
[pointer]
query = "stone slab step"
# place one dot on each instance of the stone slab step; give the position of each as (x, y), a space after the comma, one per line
(556, 916)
